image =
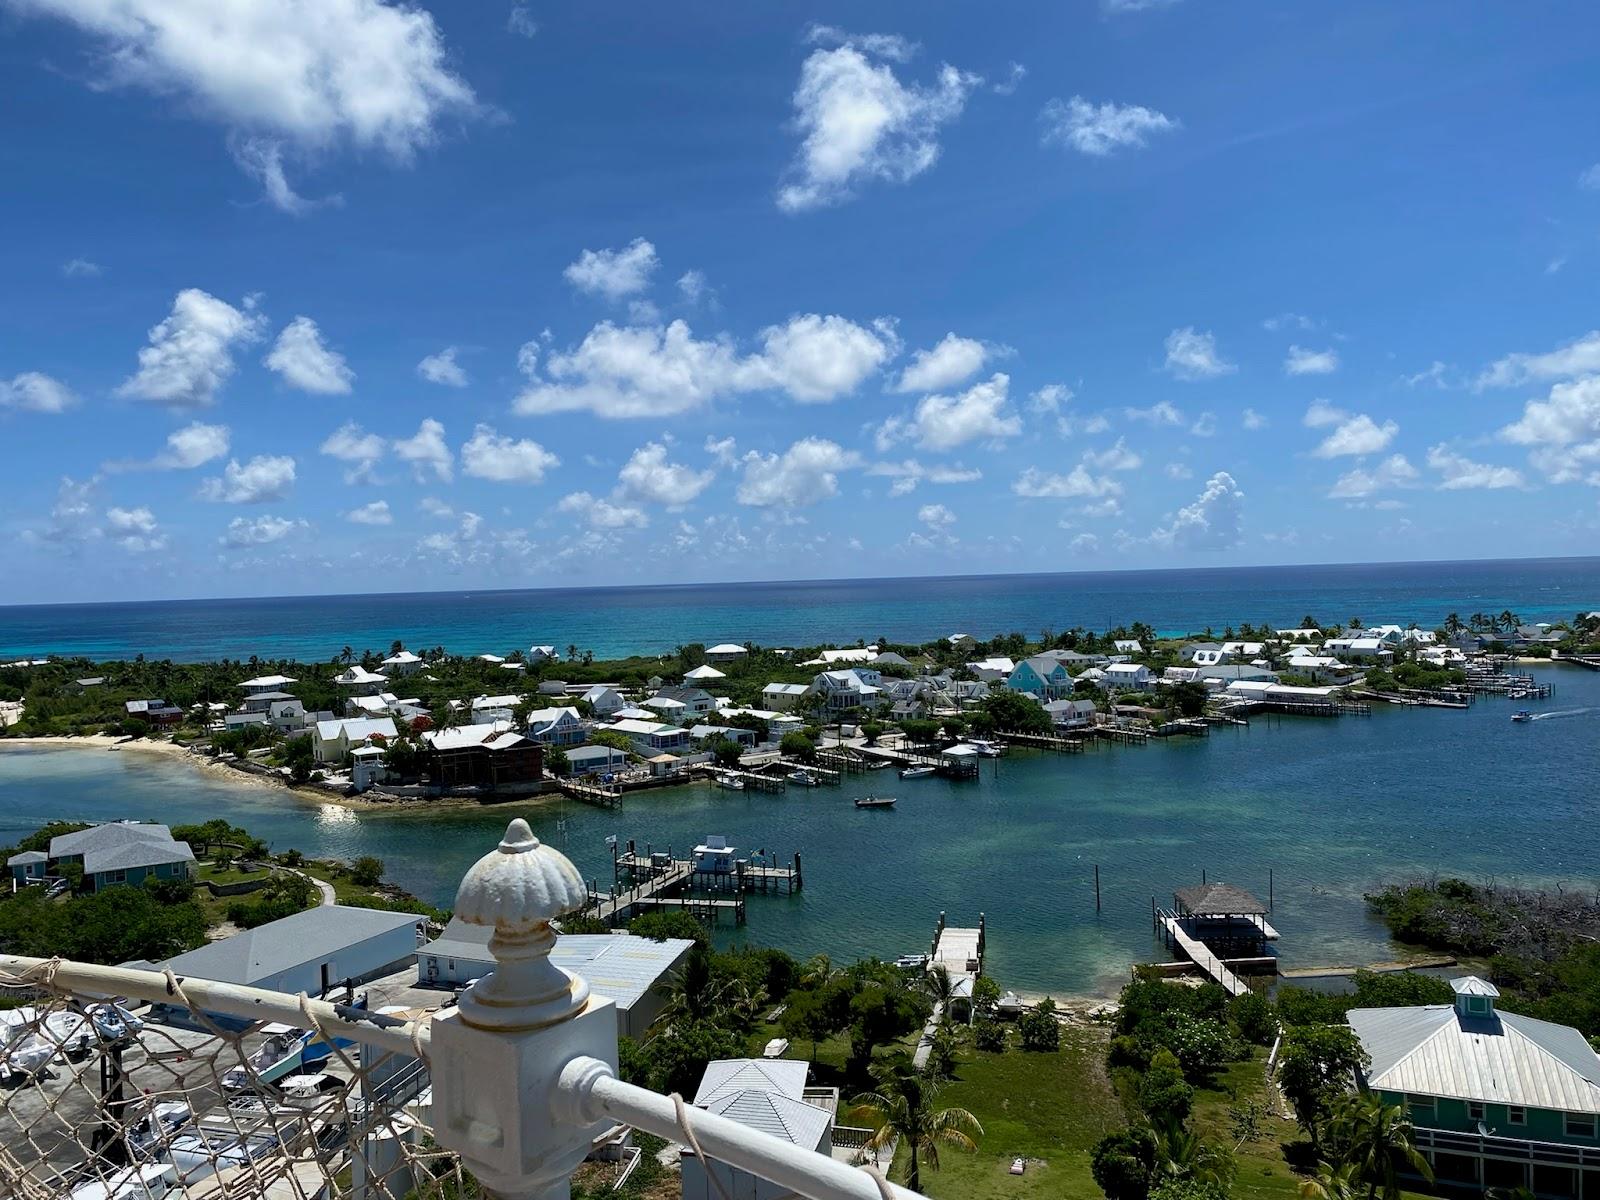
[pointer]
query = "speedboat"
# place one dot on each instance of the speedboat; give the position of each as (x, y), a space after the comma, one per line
(1522, 714)
(916, 772)
(988, 749)
(875, 802)
(803, 778)
(732, 782)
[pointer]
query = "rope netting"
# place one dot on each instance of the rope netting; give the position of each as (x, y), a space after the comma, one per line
(103, 1098)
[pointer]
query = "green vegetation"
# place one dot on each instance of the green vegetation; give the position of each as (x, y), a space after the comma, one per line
(110, 927)
(901, 1107)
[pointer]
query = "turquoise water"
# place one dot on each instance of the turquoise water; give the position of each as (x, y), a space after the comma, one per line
(613, 622)
(1331, 807)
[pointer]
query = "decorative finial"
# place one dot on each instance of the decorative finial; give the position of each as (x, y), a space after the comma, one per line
(519, 888)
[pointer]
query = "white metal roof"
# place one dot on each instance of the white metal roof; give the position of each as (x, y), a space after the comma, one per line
(460, 737)
(727, 648)
(794, 1121)
(730, 1076)
(705, 672)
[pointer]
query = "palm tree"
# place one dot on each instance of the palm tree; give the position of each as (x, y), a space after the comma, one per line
(1331, 1183)
(1378, 1144)
(1183, 1154)
(819, 971)
(1509, 620)
(902, 1108)
(1452, 625)
(346, 655)
(938, 986)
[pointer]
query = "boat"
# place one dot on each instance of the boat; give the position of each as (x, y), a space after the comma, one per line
(879, 764)
(732, 782)
(875, 802)
(988, 749)
(1522, 714)
(916, 772)
(802, 778)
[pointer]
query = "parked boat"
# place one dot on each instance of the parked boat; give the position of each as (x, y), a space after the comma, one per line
(988, 749)
(875, 802)
(916, 772)
(1522, 714)
(732, 782)
(802, 778)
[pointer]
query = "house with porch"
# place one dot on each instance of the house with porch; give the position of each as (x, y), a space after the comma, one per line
(1360, 648)
(652, 737)
(356, 680)
(604, 699)
(485, 756)
(156, 713)
(782, 697)
(403, 663)
(726, 652)
(332, 741)
(1042, 677)
(122, 852)
(697, 702)
(1497, 1100)
(556, 726)
(859, 687)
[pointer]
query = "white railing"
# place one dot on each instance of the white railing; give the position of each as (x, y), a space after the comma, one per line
(523, 1071)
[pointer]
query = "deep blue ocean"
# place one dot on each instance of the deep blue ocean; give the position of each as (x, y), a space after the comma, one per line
(613, 622)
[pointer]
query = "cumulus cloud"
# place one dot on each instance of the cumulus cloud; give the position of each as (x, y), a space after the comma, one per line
(652, 371)
(1212, 522)
(1116, 457)
(908, 473)
(306, 362)
(804, 474)
(1288, 320)
(1320, 414)
(1563, 430)
(954, 360)
(648, 476)
(190, 355)
(192, 446)
(614, 274)
(692, 286)
(1358, 435)
(34, 392)
(427, 453)
(981, 413)
(1393, 472)
(1460, 473)
(936, 516)
(487, 455)
(80, 268)
(1049, 398)
(1100, 129)
(1077, 483)
(1251, 419)
(1178, 470)
(1301, 361)
(135, 530)
(1192, 355)
(264, 478)
(442, 368)
(262, 531)
(860, 123)
(351, 444)
(604, 514)
(315, 74)
(375, 513)
(1159, 413)
(1578, 357)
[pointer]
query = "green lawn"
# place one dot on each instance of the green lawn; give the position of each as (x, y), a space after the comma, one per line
(209, 871)
(1262, 1173)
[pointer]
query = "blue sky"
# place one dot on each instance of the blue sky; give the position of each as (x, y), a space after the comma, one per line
(333, 295)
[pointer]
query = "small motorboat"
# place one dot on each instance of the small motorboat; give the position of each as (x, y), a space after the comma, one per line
(988, 749)
(875, 802)
(916, 772)
(802, 778)
(732, 782)
(1522, 714)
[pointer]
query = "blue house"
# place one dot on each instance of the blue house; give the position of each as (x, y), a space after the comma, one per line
(1041, 677)
(122, 852)
(27, 867)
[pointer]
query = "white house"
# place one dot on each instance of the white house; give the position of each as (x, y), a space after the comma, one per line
(556, 726)
(1228, 673)
(726, 652)
(604, 700)
(666, 706)
(1203, 654)
(856, 688)
(367, 767)
(696, 701)
(703, 673)
(652, 737)
(766, 1094)
(1244, 650)
(1128, 646)
(1128, 676)
(332, 740)
(360, 681)
(488, 709)
(596, 760)
(1070, 714)
(1321, 668)
(403, 663)
(851, 654)
(1359, 648)
(287, 716)
(543, 654)
(266, 683)
(992, 670)
(781, 697)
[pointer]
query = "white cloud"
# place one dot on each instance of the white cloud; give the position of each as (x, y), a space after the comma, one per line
(436, 507)
(263, 158)
(487, 455)
(427, 453)
(1085, 543)
(262, 531)
(190, 355)
(1114, 7)
(1564, 431)
(1015, 74)
(604, 514)
(1392, 472)
(908, 473)
(1251, 419)
(1460, 473)
(1320, 414)
(1075, 484)
(817, 359)
(1178, 470)
(649, 371)
(936, 516)
(649, 477)
(945, 422)
(375, 513)
(34, 392)
(859, 122)
(192, 446)
(1090, 426)
(350, 443)
(80, 268)
(1212, 522)
(1437, 375)
(1049, 398)
(954, 360)
(1205, 425)
(1113, 458)
(723, 450)
(1192, 355)
(135, 530)
(520, 22)
(1589, 179)
(265, 477)
(315, 73)
(1301, 361)
(442, 368)
(1099, 129)
(692, 286)
(1578, 357)
(1358, 435)
(805, 473)
(306, 362)
(1288, 320)
(1159, 413)
(614, 274)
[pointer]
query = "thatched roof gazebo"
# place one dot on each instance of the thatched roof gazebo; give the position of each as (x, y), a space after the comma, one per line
(1217, 901)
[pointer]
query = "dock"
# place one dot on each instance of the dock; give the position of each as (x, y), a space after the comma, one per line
(591, 793)
(1200, 954)
(1044, 741)
(1220, 928)
(710, 882)
(960, 951)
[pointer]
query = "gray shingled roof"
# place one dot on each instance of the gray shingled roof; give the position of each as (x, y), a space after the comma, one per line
(1218, 899)
(1433, 1050)
(268, 950)
(120, 846)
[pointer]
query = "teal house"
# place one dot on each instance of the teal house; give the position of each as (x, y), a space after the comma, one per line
(1042, 677)
(27, 867)
(122, 852)
(1497, 1100)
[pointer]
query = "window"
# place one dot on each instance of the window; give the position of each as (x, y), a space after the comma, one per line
(1478, 1006)
(1474, 1110)
(1517, 1115)
(1420, 1105)
(116, 877)
(1580, 1125)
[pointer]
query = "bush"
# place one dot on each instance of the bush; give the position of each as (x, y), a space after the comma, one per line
(798, 745)
(989, 1035)
(1124, 1163)
(1039, 1028)
(659, 926)
(367, 871)
(1251, 1015)
(1163, 1094)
